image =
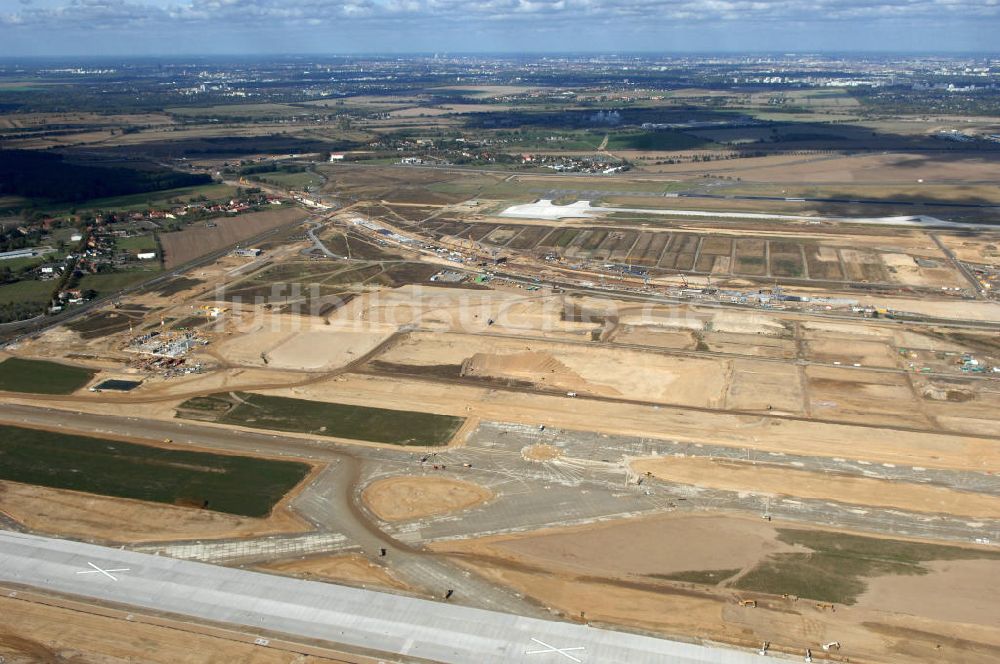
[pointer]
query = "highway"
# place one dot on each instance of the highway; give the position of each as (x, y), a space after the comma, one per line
(403, 629)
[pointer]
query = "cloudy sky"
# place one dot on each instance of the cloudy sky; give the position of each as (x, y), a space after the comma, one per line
(88, 27)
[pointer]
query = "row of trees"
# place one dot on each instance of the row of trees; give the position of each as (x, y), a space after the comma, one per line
(46, 175)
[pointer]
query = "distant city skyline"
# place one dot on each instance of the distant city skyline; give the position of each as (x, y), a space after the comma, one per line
(164, 27)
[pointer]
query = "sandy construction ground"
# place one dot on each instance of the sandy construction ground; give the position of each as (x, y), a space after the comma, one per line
(286, 341)
(406, 498)
(594, 369)
(622, 548)
(789, 627)
(656, 336)
(613, 573)
(765, 385)
(756, 345)
(928, 449)
(960, 590)
(951, 308)
(830, 349)
(975, 250)
(761, 479)
(321, 349)
(846, 394)
(92, 517)
(37, 633)
(446, 309)
(352, 569)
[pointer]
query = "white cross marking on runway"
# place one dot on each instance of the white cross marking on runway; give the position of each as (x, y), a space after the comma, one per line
(105, 572)
(562, 651)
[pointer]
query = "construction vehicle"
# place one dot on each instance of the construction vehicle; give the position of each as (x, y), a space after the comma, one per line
(822, 606)
(168, 440)
(764, 647)
(832, 645)
(809, 655)
(749, 603)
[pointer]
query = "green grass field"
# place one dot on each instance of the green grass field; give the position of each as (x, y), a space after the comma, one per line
(379, 425)
(42, 377)
(113, 282)
(655, 140)
(137, 243)
(26, 291)
(233, 484)
(19, 263)
(291, 180)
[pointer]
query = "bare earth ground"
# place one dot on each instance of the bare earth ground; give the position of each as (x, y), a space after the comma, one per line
(612, 572)
(283, 341)
(34, 633)
(754, 478)
(562, 367)
(622, 548)
(713, 615)
(89, 516)
(608, 573)
(351, 569)
(405, 498)
(962, 590)
(790, 436)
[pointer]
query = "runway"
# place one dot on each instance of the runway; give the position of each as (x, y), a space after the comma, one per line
(399, 628)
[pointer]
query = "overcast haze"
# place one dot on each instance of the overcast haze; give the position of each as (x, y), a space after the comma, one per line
(92, 27)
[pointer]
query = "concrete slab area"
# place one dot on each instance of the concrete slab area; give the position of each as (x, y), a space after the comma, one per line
(401, 628)
(591, 482)
(545, 209)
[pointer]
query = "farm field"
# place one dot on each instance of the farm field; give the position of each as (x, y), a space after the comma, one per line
(182, 246)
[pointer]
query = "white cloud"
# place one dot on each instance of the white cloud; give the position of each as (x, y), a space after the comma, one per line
(640, 15)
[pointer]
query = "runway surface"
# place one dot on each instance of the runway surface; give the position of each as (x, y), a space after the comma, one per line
(401, 628)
